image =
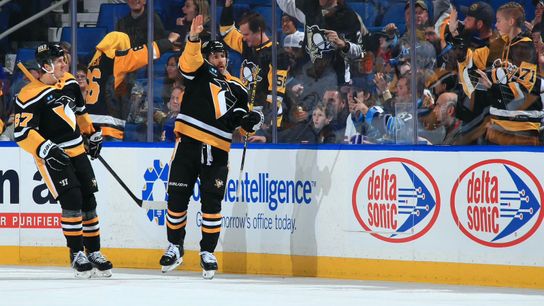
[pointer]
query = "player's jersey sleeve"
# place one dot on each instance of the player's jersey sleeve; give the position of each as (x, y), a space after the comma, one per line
(241, 107)
(190, 60)
(26, 111)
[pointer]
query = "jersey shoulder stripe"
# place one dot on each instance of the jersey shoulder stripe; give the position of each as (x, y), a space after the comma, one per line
(32, 93)
(236, 81)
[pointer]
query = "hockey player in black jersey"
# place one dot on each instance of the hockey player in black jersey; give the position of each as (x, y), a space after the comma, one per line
(214, 104)
(48, 116)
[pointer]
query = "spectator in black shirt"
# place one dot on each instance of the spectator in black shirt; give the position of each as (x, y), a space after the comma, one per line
(135, 24)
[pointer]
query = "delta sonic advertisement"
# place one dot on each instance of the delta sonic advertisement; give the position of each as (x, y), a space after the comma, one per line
(396, 200)
(270, 202)
(497, 203)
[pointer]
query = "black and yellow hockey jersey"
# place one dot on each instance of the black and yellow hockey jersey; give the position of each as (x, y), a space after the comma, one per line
(260, 56)
(51, 112)
(212, 105)
(514, 99)
(106, 75)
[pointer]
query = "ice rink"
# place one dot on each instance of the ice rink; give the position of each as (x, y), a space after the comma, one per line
(56, 286)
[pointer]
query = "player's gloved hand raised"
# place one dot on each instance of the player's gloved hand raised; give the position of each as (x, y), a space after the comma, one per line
(95, 144)
(53, 155)
(252, 121)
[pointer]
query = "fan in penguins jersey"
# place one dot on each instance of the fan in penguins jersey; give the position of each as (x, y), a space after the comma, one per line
(48, 116)
(255, 47)
(214, 104)
(113, 59)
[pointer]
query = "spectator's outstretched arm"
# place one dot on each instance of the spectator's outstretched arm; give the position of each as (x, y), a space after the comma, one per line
(228, 31)
(290, 8)
(130, 60)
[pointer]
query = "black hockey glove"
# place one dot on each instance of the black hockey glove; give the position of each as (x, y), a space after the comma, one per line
(95, 144)
(53, 155)
(252, 121)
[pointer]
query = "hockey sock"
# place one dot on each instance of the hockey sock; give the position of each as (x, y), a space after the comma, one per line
(91, 231)
(211, 228)
(176, 222)
(72, 229)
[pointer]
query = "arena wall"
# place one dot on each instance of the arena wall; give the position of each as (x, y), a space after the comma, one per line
(450, 215)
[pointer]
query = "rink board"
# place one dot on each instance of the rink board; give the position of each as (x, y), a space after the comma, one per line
(383, 213)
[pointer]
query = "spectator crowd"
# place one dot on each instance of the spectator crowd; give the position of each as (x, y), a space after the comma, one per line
(335, 79)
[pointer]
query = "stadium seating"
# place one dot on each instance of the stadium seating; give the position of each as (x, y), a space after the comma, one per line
(394, 14)
(110, 13)
(266, 12)
(367, 11)
(87, 40)
(24, 55)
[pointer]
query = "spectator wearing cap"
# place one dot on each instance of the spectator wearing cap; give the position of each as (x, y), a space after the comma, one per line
(292, 45)
(334, 33)
(476, 30)
(422, 14)
(288, 24)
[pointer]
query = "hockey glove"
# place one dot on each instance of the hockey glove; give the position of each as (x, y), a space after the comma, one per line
(53, 155)
(95, 144)
(252, 121)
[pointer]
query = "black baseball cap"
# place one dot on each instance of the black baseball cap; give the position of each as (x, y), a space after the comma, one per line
(481, 11)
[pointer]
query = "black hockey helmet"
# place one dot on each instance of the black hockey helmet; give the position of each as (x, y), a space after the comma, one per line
(47, 53)
(212, 46)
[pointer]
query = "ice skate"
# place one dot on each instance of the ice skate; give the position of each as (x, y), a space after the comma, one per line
(101, 266)
(208, 262)
(81, 265)
(172, 258)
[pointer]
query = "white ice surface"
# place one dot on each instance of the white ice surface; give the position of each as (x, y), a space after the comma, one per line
(55, 286)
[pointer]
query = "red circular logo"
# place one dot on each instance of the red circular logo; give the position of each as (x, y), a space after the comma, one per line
(396, 200)
(497, 203)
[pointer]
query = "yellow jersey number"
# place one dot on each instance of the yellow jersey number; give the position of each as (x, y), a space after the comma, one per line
(22, 119)
(94, 88)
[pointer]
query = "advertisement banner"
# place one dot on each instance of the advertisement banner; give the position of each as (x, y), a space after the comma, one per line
(429, 206)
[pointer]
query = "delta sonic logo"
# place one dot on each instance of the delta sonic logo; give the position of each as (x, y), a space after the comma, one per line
(396, 200)
(497, 203)
(156, 182)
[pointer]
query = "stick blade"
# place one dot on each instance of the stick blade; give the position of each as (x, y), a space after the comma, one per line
(147, 205)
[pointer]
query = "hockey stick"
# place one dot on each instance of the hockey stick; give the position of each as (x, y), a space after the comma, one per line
(142, 203)
(254, 74)
(25, 71)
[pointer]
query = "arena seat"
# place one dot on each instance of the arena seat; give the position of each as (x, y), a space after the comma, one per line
(266, 12)
(367, 11)
(394, 14)
(110, 13)
(87, 39)
(24, 55)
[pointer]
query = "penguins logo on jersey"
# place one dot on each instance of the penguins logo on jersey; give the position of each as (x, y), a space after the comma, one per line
(64, 108)
(317, 43)
(246, 74)
(223, 98)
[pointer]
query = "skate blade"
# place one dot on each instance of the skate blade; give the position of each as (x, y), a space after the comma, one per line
(101, 274)
(165, 269)
(209, 274)
(82, 274)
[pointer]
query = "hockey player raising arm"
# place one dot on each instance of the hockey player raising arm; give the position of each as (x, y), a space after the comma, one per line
(46, 127)
(214, 104)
